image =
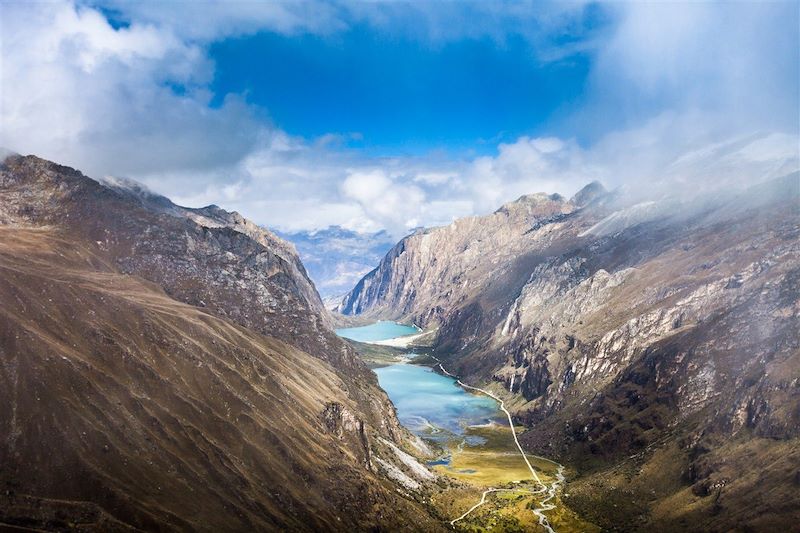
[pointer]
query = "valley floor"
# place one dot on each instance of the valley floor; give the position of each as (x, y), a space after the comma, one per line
(496, 486)
(495, 465)
(527, 488)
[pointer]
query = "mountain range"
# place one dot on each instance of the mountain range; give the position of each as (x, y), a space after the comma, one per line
(166, 368)
(336, 258)
(653, 345)
(173, 368)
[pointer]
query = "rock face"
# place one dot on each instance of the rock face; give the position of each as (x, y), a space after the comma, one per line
(428, 271)
(656, 342)
(172, 368)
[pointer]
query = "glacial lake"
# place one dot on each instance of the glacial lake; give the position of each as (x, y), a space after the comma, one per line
(379, 331)
(429, 404)
(472, 435)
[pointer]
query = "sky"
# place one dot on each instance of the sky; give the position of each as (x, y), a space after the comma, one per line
(391, 115)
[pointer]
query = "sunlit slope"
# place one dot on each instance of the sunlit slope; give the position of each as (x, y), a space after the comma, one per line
(124, 408)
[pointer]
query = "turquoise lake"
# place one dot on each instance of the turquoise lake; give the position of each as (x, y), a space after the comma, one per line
(379, 331)
(427, 402)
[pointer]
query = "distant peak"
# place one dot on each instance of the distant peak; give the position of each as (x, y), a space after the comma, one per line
(538, 197)
(588, 194)
(527, 202)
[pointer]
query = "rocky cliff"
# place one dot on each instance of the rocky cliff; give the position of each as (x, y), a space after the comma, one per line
(429, 271)
(653, 344)
(172, 368)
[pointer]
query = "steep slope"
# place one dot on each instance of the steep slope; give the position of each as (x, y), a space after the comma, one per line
(205, 257)
(431, 270)
(647, 343)
(163, 374)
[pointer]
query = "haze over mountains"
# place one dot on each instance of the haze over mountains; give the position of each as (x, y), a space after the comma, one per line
(185, 366)
(336, 258)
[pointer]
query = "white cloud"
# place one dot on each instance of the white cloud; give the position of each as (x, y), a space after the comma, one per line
(525, 166)
(80, 92)
(215, 19)
(366, 187)
(434, 178)
(695, 95)
(735, 62)
(394, 203)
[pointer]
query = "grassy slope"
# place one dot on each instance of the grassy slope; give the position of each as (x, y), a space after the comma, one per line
(160, 414)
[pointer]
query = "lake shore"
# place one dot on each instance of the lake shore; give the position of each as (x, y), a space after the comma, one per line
(494, 482)
(405, 341)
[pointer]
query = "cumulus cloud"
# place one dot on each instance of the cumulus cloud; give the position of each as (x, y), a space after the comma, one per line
(382, 198)
(129, 100)
(690, 94)
(527, 165)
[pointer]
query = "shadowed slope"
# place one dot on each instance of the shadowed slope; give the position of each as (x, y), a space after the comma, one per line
(168, 368)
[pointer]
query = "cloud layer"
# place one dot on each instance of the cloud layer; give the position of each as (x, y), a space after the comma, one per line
(693, 94)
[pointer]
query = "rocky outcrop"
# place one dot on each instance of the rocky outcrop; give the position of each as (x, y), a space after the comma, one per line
(618, 328)
(181, 363)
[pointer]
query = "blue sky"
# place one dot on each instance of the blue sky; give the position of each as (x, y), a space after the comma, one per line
(391, 115)
(395, 94)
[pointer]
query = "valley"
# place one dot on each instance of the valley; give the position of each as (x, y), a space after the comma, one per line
(405, 266)
(538, 372)
(498, 486)
(646, 346)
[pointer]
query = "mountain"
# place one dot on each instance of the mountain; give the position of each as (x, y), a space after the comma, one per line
(652, 345)
(430, 268)
(336, 257)
(166, 368)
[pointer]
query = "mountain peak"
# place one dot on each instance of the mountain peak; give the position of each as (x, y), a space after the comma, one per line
(588, 194)
(537, 198)
(528, 204)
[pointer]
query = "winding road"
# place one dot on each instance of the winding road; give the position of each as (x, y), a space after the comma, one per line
(483, 500)
(550, 490)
